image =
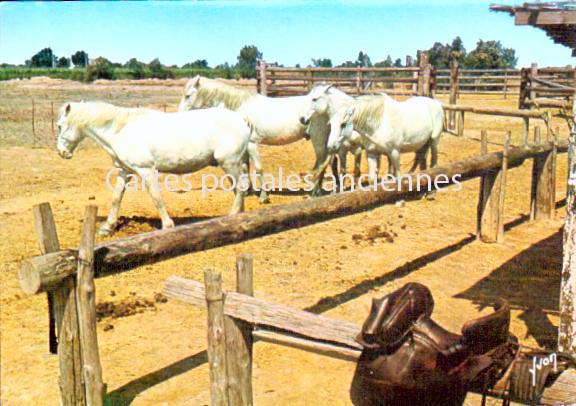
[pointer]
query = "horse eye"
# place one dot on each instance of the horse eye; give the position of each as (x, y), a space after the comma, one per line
(187, 96)
(315, 99)
(342, 125)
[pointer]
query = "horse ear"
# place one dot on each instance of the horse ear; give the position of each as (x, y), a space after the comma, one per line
(330, 86)
(350, 110)
(196, 81)
(67, 109)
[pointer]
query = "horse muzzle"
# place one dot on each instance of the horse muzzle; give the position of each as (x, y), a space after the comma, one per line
(304, 120)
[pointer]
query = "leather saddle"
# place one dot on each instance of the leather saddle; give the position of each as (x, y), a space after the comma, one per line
(408, 359)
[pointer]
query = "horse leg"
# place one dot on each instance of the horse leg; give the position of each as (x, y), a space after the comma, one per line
(373, 165)
(357, 162)
(236, 170)
(110, 225)
(420, 158)
(433, 163)
(394, 160)
(255, 155)
(153, 189)
(335, 170)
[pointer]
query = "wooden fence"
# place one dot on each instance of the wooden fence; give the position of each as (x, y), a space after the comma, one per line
(67, 275)
(547, 87)
(544, 87)
(477, 81)
(232, 321)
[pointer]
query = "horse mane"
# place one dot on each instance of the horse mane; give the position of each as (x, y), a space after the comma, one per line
(101, 114)
(368, 113)
(212, 92)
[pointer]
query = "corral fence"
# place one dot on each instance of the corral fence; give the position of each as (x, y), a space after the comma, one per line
(547, 87)
(68, 275)
(544, 87)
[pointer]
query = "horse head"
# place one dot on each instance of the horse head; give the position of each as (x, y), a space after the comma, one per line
(69, 135)
(190, 94)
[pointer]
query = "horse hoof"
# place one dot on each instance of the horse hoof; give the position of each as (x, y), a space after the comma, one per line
(430, 196)
(400, 203)
(168, 224)
(264, 200)
(105, 231)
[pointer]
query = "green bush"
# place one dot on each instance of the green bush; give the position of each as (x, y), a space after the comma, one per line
(100, 68)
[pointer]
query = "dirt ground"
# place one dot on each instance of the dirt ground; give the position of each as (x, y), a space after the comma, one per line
(155, 355)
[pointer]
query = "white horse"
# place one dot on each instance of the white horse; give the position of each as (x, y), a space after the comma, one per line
(326, 100)
(390, 127)
(144, 142)
(276, 120)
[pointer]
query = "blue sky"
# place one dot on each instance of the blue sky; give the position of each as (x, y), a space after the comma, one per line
(288, 32)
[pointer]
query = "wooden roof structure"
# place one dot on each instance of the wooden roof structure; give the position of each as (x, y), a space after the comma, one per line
(557, 19)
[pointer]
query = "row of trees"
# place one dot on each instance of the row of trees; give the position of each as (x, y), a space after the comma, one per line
(487, 54)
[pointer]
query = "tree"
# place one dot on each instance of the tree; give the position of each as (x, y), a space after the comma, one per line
(441, 55)
(491, 55)
(322, 63)
(43, 59)
(135, 68)
(247, 58)
(63, 62)
(197, 64)
(100, 68)
(157, 70)
(384, 64)
(398, 63)
(363, 60)
(80, 59)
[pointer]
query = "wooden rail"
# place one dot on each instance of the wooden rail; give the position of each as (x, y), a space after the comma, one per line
(47, 272)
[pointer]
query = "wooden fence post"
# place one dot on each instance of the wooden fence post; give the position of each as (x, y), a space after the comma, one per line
(526, 129)
(64, 315)
(460, 123)
(454, 87)
(309, 79)
(490, 219)
(48, 242)
(239, 341)
(523, 88)
(543, 190)
(86, 305)
(424, 75)
(532, 83)
(216, 339)
(263, 89)
(358, 81)
(33, 124)
(567, 328)
(52, 120)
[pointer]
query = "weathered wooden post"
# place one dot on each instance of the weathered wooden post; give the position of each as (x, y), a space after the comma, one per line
(216, 339)
(262, 84)
(309, 79)
(460, 123)
(490, 218)
(543, 190)
(526, 129)
(454, 87)
(523, 88)
(52, 120)
(358, 81)
(64, 314)
(424, 75)
(33, 124)
(48, 242)
(567, 328)
(532, 84)
(239, 341)
(86, 305)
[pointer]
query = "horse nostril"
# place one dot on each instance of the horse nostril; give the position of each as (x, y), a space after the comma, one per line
(304, 121)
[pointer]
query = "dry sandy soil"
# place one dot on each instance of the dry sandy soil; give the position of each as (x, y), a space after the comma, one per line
(157, 355)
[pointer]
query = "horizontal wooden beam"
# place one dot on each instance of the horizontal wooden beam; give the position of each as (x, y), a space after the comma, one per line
(46, 272)
(267, 314)
(496, 112)
(545, 17)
